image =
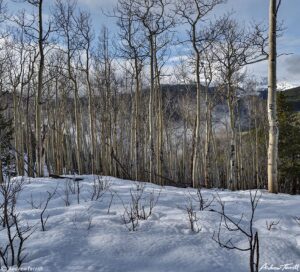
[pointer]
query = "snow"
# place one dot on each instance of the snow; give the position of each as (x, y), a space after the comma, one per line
(85, 237)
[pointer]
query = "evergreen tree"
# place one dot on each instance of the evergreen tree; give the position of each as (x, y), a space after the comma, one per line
(289, 146)
(5, 139)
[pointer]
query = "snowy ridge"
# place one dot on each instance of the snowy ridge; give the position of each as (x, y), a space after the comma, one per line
(86, 237)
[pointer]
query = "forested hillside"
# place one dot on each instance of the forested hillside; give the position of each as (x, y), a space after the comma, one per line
(85, 101)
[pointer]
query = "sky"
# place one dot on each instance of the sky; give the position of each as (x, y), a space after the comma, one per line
(246, 11)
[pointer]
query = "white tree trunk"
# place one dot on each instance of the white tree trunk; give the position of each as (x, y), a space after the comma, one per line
(39, 146)
(232, 155)
(272, 115)
(195, 164)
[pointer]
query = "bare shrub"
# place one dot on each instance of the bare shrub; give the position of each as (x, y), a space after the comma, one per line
(271, 224)
(189, 208)
(66, 196)
(141, 206)
(71, 186)
(297, 219)
(192, 216)
(78, 223)
(44, 220)
(230, 224)
(130, 219)
(89, 220)
(33, 204)
(14, 233)
(100, 186)
(204, 203)
(110, 202)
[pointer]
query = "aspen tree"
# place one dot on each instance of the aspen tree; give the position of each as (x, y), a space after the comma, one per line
(272, 115)
(193, 12)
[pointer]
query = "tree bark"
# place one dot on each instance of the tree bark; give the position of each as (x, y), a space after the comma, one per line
(151, 144)
(137, 120)
(38, 97)
(197, 128)
(91, 112)
(272, 114)
(232, 156)
(208, 131)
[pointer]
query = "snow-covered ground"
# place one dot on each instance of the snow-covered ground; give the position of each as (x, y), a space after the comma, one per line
(88, 237)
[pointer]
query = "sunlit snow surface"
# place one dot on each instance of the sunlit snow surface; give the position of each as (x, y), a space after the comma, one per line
(163, 243)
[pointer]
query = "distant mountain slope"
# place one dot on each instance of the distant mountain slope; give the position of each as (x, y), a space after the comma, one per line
(293, 97)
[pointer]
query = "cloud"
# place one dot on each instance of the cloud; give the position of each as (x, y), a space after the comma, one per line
(293, 64)
(92, 4)
(288, 70)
